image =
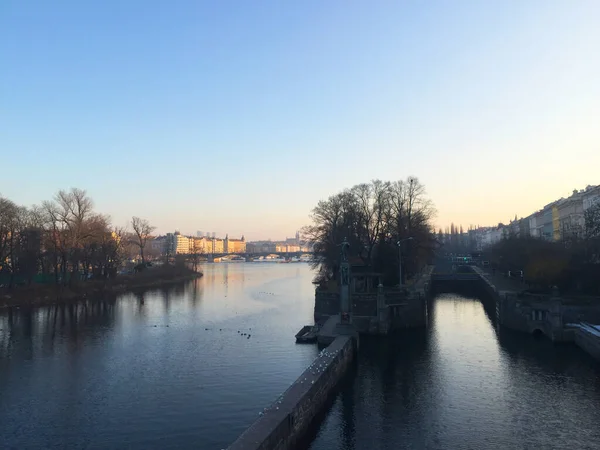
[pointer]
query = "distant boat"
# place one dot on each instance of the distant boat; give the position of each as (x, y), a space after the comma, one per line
(235, 258)
(268, 259)
(307, 335)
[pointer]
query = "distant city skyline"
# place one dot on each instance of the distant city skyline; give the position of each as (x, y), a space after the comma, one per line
(293, 235)
(240, 119)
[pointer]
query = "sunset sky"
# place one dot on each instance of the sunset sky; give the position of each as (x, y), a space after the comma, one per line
(237, 117)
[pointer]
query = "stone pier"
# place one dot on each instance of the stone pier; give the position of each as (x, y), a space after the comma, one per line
(286, 422)
(587, 337)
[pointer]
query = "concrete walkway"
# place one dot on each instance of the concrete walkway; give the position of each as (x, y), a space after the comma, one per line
(327, 333)
(503, 283)
(423, 278)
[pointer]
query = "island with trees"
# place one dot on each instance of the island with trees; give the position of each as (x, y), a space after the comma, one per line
(374, 218)
(64, 250)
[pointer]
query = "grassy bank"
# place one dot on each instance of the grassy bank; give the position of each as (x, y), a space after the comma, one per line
(38, 294)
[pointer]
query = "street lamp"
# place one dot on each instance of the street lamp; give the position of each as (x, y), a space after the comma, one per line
(399, 244)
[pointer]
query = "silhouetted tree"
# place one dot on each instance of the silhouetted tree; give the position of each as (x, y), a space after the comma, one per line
(62, 237)
(373, 217)
(141, 233)
(592, 221)
(194, 255)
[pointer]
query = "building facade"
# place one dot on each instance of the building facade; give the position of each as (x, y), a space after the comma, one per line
(570, 216)
(558, 220)
(591, 197)
(261, 247)
(546, 226)
(178, 244)
(234, 245)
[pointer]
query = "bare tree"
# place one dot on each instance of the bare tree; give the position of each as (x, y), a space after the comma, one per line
(73, 209)
(142, 230)
(62, 237)
(112, 251)
(8, 212)
(11, 223)
(168, 250)
(373, 217)
(195, 252)
(592, 221)
(372, 201)
(54, 240)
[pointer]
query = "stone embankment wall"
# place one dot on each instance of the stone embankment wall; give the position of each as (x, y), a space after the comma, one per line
(549, 314)
(382, 310)
(364, 304)
(575, 310)
(287, 421)
(588, 340)
(326, 304)
(409, 312)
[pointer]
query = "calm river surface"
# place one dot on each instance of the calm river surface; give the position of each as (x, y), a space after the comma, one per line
(149, 375)
(169, 370)
(461, 385)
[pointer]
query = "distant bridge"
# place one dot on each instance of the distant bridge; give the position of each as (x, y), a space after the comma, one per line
(252, 255)
(454, 276)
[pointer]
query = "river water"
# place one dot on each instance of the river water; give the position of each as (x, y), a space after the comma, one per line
(461, 384)
(168, 369)
(164, 370)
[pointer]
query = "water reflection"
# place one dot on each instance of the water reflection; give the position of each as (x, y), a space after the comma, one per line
(27, 331)
(165, 368)
(461, 384)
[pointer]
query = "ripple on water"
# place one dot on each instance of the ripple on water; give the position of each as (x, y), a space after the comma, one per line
(461, 385)
(110, 378)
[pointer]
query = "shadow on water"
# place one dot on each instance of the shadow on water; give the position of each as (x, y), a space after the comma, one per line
(24, 330)
(381, 382)
(159, 368)
(557, 358)
(343, 393)
(463, 382)
(195, 290)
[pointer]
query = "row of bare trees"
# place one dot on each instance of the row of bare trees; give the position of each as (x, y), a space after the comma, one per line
(571, 263)
(374, 217)
(63, 240)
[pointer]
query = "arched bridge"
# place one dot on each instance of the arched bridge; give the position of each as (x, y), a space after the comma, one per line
(252, 255)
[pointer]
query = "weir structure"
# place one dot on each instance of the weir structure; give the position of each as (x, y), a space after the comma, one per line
(559, 318)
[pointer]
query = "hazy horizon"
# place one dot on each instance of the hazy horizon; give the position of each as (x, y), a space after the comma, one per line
(239, 119)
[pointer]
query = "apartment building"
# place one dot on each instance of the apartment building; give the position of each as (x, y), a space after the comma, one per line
(234, 245)
(570, 216)
(591, 196)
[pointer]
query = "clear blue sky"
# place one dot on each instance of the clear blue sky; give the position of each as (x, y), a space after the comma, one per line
(239, 116)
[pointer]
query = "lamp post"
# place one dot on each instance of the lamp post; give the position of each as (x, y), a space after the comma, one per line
(399, 244)
(344, 284)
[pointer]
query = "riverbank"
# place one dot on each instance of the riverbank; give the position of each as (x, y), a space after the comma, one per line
(39, 295)
(286, 422)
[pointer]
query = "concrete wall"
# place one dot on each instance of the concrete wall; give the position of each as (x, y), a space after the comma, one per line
(287, 421)
(371, 311)
(573, 313)
(366, 324)
(517, 312)
(412, 314)
(326, 304)
(364, 304)
(589, 342)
